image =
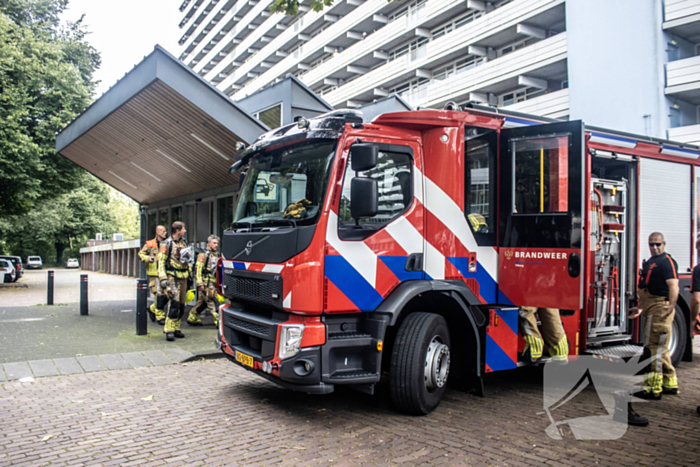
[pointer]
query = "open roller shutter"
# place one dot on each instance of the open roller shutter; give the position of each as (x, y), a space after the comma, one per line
(665, 206)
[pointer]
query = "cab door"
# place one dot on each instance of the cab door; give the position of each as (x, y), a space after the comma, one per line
(541, 175)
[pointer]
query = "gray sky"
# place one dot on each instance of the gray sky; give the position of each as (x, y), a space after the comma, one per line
(125, 31)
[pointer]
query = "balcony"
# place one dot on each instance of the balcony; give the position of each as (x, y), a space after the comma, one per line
(682, 17)
(685, 134)
(553, 105)
(683, 79)
(544, 59)
(360, 54)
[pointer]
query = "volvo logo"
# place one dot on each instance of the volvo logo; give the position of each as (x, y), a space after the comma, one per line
(248, 247)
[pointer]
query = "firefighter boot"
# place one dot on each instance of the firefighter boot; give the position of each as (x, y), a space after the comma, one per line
(176, 332)
(533, 349)
(172, 322)
(170, 336)
(652, 387)
(194, 318)
(560, 352)
(670, 385)
(624, 413)
(161, 301)
(152, 312)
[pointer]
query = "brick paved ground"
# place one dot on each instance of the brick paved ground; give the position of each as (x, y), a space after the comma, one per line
(214, 413)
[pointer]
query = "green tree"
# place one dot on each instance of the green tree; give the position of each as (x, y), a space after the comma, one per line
(45, 82)
(63, 223)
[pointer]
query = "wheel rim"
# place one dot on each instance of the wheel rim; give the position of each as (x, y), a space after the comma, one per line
(437, 364)
(673, 339)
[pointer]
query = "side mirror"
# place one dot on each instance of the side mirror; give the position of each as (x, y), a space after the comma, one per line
(363, 156)
(364, 196)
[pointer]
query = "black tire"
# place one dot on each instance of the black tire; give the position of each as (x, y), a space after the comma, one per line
(680, 331)
(411, 391)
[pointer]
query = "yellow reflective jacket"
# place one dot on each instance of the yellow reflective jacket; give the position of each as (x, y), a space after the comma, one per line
(169, 260)
(204, 268)
(150, 250)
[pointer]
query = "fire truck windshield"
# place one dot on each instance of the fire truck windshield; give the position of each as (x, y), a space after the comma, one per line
(286, 185)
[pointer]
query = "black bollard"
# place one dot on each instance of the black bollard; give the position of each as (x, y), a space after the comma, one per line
(83, 295)
(49, 289)
(141, 303)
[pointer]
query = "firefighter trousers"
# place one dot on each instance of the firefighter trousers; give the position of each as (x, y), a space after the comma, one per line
(552, 328)
(657, 333)
(160, 299)
(206, 300)
(177, 291)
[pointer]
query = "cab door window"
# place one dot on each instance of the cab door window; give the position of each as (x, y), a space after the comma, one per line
(394, 175)
(480, 183)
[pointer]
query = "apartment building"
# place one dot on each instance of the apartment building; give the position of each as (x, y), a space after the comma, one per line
(628, 64)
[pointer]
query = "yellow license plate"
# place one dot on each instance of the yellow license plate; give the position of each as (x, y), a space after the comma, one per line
(247, 360)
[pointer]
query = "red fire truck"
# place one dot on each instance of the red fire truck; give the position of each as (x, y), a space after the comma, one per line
(403, 247)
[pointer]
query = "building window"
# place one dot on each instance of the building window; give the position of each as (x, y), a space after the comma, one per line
(271, 117)
(512, 47)
(176, 212)
(152, 223)
(163, 218)
(457, 67)
(520, 95)
(412, 8)
(224, 209)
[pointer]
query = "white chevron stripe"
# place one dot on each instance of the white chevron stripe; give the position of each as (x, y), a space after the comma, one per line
(406, 235)
(418, 184)
(434, 262)
(452, 216)
(360, 256)
(274, 268)
(287, 303)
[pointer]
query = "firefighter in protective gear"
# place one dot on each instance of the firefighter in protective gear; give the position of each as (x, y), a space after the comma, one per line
(206, 283)
(553, 331)
(658, 292)
(173, 271)
(149, 255)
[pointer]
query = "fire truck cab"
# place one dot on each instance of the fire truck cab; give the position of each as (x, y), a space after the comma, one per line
(402, 248)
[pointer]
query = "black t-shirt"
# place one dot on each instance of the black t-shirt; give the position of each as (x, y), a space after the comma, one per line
(656, 271)
(695, 280)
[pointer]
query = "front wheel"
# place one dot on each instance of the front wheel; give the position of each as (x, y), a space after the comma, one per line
(420, 363)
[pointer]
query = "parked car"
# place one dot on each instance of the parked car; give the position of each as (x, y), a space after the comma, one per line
(72, 263)
(17, 262)
(34, 262)
(9, 273)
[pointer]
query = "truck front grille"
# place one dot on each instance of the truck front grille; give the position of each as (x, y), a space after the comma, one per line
(254, 287)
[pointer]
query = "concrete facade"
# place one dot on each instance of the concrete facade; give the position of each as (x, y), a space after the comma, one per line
(631, 65)
(120, 258)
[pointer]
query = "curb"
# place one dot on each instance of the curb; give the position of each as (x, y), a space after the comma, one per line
(205, 355)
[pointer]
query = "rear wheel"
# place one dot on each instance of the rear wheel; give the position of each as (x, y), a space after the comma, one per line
(420, 363)
(679, 337)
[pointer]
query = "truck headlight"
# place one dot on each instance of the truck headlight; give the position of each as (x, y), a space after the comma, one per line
(290, 340)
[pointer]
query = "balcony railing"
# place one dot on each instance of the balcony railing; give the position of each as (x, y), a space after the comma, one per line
(683, 75)
(675, 10)
(685, 134)
(553, 105)
(523, 61)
